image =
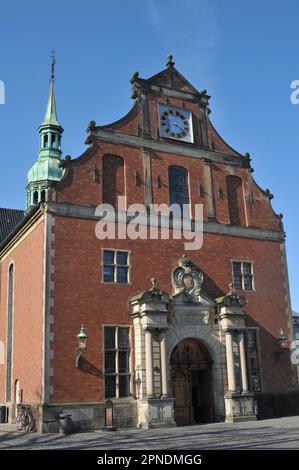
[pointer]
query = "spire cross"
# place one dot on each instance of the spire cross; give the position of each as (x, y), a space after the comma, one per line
(53, 64)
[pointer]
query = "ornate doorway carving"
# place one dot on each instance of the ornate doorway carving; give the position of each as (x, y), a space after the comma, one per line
(191, 371)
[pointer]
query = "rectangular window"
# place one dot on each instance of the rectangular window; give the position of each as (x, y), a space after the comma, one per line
(242, 275)
(117, 352)
(254, 365)
(116, 266)
(237, 365)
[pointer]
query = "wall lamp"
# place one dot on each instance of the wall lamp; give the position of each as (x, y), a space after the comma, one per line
(282, 338)
(82, 343)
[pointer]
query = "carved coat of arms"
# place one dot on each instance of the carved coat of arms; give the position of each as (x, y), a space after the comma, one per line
(187, 279)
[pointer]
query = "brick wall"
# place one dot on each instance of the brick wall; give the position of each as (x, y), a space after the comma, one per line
(28, 259)
(81, 297)
(79, 185)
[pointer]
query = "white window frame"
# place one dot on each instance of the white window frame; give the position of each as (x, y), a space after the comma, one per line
(117, 374)
(242, 274)
(128, 265)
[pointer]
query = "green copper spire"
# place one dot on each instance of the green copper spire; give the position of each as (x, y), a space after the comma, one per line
(47, 168)
(51, 113)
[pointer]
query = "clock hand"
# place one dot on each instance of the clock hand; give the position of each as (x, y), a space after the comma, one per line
(177, 125)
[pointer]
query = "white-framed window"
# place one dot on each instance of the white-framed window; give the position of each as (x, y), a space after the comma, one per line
(117, 361)
(116, 266)
(254, 362)
(242, 273)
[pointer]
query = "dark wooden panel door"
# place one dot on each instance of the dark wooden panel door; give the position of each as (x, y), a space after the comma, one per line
(202, 396)
(183, 402)
(191, 383)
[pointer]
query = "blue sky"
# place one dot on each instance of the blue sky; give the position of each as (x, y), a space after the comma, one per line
(244, 53)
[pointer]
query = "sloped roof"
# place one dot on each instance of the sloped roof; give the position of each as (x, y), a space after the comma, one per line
(172, 78)
(9, 219)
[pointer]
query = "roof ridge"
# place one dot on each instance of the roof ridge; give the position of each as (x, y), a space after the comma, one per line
(11, 209)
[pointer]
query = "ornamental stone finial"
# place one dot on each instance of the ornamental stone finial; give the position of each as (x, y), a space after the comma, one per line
(184, 260)
(91, 126)
(134, 83)
(154, 283)
(268, 192)
(170, 62)
(134, 77)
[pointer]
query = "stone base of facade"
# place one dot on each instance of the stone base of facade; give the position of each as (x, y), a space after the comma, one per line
(156, 412)
(89, 416)
(239, 407)
(275, 405)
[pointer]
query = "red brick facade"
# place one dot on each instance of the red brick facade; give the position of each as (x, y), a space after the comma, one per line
(27, 256)
(74, 286)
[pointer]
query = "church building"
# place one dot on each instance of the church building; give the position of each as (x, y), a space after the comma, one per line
(163, 332)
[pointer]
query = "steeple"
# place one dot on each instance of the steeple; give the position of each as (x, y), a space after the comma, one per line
(50, 130)
(51, 113)
(47, 168)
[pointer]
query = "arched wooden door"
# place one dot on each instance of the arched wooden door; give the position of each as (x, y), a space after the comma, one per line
(191, 370)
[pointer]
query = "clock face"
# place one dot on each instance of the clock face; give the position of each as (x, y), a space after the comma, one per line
(175, 123)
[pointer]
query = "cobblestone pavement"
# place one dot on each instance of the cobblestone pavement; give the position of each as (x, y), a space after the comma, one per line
(281, 433)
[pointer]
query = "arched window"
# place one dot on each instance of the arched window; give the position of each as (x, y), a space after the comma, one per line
(18, 398)
(43, 195)
(53, 140)
(178, 185)
(35, 197)
(113, 179)
(235, 200)
(10, 299)
(46, 141)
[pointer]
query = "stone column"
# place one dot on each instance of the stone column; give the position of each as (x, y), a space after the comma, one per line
(149, 366)
(164, 375)
(243, 363)
(230, 362)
